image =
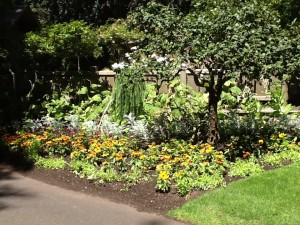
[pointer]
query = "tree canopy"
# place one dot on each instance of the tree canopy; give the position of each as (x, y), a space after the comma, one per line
(64, 43)
(228, 39)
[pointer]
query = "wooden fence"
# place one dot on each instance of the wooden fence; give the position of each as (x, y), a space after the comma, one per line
(291, 91)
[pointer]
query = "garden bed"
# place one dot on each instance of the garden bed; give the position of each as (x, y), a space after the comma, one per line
(143, 195)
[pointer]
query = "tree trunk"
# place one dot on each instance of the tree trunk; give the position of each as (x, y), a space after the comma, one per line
(213, 130)
(215, 91)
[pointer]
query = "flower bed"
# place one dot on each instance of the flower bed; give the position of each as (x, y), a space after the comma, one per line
(177, 164)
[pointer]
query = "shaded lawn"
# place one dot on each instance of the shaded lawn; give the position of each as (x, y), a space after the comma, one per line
(269, 198)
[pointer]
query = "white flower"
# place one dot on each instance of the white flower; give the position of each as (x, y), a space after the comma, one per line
(88, 125)
(118, 65)
(183, 65)
(161, 59)
(154, 56)
(127, 55)
(134, 48)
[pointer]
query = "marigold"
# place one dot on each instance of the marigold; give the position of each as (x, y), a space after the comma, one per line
(142, 157)
(281, 135)
(74, 154)
(119, 156)
(164, 175)
(167, 157)
(92, 155)
(205, 163)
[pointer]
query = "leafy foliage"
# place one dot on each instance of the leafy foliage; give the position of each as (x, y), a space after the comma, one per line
(226, 40)
(128, 93)
(51, 163)
(65, 42)
(245, 168)
(117, 39)
(177, 114)
(91, 11)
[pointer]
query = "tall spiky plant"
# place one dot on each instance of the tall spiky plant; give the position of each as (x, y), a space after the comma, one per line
(129, 92)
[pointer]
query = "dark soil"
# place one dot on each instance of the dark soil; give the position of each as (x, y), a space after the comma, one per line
(142, 196)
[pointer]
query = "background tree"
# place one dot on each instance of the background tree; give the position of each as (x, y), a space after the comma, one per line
(97, 12)
(289, 11)
(227, 40)
(92, 11)
(117, 39)
(63, 43)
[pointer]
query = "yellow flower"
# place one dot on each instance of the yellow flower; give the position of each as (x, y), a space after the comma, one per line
(178, 174)
(206, 148)
(167, 167)
(142, 157)
(164, 175)
(261, 141)
(92, 155)
(205, 163)
(119, 156)
(105, 154)
(167, 157)
(49, 143)
(159, 167)
(137, 153)
(74, 154)
(26, 144)
(281, 135)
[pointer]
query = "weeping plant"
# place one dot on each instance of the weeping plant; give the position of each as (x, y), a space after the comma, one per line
(129, 92)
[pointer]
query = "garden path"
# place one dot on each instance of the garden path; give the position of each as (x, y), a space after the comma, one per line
(24, 201)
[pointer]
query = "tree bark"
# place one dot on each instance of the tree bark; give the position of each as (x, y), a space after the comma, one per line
(215, 91)
(213, 130)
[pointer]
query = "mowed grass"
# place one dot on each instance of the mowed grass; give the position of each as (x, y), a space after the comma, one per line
(269, 198)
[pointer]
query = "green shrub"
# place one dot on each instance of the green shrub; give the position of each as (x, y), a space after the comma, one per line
(51, 163)
(244, 168)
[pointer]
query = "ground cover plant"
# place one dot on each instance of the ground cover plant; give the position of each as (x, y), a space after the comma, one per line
(268, 198)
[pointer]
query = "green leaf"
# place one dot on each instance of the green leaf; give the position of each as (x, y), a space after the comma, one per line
(236, 91)
(83, 91)
(97, 98)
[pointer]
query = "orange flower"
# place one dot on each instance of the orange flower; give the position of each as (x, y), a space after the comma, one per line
(246, 154)
(167, 158)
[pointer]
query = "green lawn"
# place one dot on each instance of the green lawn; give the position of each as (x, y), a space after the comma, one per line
(269, 198)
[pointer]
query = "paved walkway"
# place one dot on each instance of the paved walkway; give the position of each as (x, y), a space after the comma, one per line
(24, 201)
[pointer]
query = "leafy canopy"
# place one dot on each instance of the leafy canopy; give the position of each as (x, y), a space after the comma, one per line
(229, 39)
(65, 42)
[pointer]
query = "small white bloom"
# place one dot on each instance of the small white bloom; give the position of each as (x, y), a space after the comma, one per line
(88, 125)
(134, 48)
(154, 56)
(127, 55)
(118, 65)
(183, 65)
(161, 59)
(115, 66)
